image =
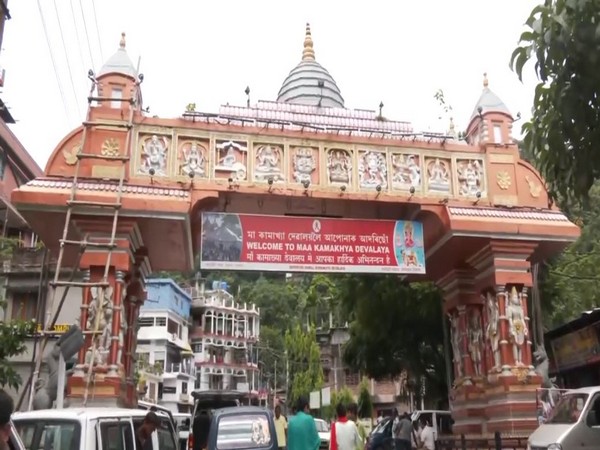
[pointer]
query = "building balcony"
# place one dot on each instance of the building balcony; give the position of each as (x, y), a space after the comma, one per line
(220, 300)
(188, 369)
(24, 259)
(221, 364)
(211, 338)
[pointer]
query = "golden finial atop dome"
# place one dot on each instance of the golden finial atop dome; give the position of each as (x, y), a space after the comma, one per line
(308, 54)
(122, 41)
(485, 80)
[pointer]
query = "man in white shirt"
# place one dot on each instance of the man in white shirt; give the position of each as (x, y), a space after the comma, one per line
(344, 434)
(427, 437)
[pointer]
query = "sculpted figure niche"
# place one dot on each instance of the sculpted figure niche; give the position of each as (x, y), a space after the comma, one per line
(475, 341)
(517, 330)
(456, 347)
(406, 171)
(303, 164)
(493, 330)
(470, 177)
(438, 172)
(194, 160)
(372, 170)
(339, 167)
(154, 156)
(268, 163)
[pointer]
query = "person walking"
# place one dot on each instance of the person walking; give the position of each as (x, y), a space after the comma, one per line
(302, 430)
(404, 433)
(344, 434)
(280, 428)
(353, 416)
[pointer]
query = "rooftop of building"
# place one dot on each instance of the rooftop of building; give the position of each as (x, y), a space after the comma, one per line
(170, 282)
(310, 99)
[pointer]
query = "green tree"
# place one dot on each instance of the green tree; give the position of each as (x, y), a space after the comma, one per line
(563, 134)
(12, 332)
(304, 359)
(343, 395)
(365, 405)
(396, 327)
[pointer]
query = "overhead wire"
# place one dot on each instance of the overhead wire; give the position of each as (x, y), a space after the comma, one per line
(62, 38)
(53, 59)
(79, 47)
(87, 35)
(97, 29)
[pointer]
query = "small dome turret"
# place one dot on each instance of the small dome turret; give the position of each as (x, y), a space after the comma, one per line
(309, 83)
(119, 63)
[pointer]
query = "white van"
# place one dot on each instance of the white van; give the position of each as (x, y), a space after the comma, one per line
(574, 423)
(89, 428)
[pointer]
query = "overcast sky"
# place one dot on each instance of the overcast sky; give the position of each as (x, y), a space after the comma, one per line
(207, 52)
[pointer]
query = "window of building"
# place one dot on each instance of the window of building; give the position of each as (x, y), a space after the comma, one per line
(184, 387)
(172, 327)
(161, 321)
(197, 347)
(116, 96)
(24, 305)
(159, 359)
(352, 379)
(497, 134)
(146, 321)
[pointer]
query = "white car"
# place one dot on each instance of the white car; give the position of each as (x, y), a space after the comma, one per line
(89, 428)
(324, 433)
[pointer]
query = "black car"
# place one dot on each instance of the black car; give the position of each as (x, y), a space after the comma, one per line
(381, 436)
(205, 404)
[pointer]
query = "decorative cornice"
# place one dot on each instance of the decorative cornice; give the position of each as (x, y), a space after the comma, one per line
(497, 213)
(102, 186)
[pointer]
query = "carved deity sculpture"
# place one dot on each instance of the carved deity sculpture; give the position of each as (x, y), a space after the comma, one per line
(231, 160)
(100, 315)
(456, 344)
(517, 325)
(154, 156)
(339, 167)
(303, 165)
(438, 176)
(493, 329)
(372, 170)
(470, 177)
(406, 171)
(268, 163)
(475, 341)
(194, 162)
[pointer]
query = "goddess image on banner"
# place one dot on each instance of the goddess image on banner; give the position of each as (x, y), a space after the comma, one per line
(310, 244)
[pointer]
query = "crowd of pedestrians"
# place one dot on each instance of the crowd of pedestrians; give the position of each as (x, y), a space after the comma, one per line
(300, 432)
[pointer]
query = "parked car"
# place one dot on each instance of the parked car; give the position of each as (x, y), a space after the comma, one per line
(244, 427)
(14, 441)
(181, 421)
(324, 433)
(205, 403)
(89, 428)
(574, 423)
(381, 436)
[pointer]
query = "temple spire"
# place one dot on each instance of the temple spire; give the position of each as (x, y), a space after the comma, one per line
(122, 41)
(485, 80)
(308, 54)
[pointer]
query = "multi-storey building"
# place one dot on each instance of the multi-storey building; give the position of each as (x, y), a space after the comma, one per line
(165, 362)
(224, 337)
(385, 394)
